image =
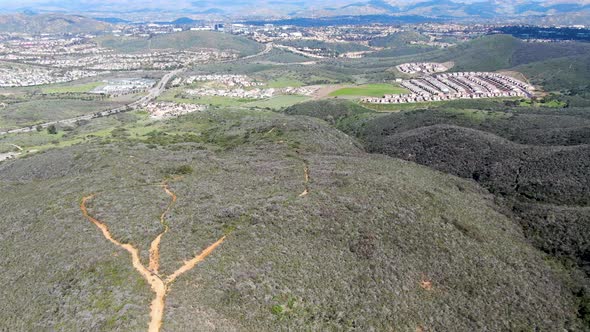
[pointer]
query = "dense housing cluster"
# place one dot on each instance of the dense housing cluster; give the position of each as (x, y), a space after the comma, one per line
(255, 93)
(460, 85)
(119, 87)
(165, 59)
(62, 58)
(164, 110)
(421, 67)
(17, 76)
(235, 86)
(227, 80)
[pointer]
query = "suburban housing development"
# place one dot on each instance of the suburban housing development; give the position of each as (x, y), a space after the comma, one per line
(458, 85)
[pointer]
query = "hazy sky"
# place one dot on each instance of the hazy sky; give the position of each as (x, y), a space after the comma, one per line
(170, 3)
(238, 5)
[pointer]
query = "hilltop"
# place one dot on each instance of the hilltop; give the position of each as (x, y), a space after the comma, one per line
(494, 52)
(319, 235)
(50, 23)
(182, 41)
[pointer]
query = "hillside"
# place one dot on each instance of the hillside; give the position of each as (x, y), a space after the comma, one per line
(535, 161)
(319, 235)
(183, 41)
(50, 23)
(494, 52)
(569, 74)
(397, 39)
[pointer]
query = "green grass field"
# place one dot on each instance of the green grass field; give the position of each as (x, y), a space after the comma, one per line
(80, 88)
(33, 112)
(283, 82)
(278, 101)
(369, 90)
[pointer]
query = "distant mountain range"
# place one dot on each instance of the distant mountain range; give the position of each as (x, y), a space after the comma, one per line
(564, 11)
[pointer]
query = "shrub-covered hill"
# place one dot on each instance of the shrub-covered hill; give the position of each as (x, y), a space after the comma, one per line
(329, 110)
(540, 173)
(494, 52)
(535, 160)
(376, 244)
(569, 74)
(397, 39)
(50, 23)
(182, 41)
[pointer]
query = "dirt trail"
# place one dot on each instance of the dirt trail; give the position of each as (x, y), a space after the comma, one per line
(155, 246)
(325, 90)
(306, 180)
(160, 286)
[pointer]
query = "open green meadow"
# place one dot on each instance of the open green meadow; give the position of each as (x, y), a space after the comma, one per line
(80, 88)
(369, 90)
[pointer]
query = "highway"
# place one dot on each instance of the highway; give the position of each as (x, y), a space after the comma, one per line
(152, 94)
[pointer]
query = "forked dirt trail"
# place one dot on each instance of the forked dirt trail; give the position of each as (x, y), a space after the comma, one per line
(159, 284)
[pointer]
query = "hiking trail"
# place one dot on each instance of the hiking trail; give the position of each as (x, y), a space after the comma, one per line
(160, 285)
(306, 178)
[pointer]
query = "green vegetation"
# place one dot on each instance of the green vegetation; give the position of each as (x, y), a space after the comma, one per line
(553, 103)
(487, 53)
(490, 53)
(278, 101)
(363, 213)
(402, 50)
(52, 130)
(397, 39)
(30, 113)
(369, 90)
(512, 153)
(52, 23)
(87, 87)
(328, 110)
(182, 170)
(490, 225)
(284, 82)
(175, 95)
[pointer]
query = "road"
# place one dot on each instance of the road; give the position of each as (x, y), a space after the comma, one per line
(152, 94)
(267, 48)
(296, 51)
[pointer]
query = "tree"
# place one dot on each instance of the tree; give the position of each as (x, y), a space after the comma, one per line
(52, 130)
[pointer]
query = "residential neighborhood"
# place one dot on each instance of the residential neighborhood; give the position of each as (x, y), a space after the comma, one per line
(164, 110)
(20, 76)
(459, 85)
(123, 86)
(422, 68)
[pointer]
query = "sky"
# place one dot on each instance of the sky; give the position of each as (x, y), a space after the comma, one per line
(229, 6)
